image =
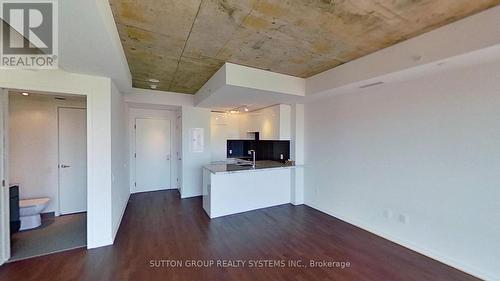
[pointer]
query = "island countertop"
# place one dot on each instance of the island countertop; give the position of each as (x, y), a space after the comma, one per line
(220, 168)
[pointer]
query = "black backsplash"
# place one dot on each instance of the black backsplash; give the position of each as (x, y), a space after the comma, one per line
(265, 149)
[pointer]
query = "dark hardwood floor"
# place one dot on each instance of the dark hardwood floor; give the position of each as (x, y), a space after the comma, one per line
(159, 226)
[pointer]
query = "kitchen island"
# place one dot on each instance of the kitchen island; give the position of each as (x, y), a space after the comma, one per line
(230, 188)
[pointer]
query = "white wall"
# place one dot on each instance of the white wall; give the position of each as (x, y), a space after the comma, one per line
(78, 55)
(135, 113)
(120, 190)
(144, 96)
(33, 150)
(98, 92)
(428, 149)
(192, 162)
(297, 153)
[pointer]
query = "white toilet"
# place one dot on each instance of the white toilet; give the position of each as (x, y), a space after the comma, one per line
(30, 210)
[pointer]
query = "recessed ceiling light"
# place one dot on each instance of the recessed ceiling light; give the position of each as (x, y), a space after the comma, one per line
(152, 80)
(153, 86)
(25, 94)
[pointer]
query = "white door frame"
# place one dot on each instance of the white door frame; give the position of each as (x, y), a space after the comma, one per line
(4, 178)
(58, 213)
(133, 151)
(178, 154)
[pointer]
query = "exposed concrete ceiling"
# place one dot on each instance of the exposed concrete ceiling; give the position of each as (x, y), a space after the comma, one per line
(183, 43)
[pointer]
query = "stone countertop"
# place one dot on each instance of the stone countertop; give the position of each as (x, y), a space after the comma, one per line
(226, 168)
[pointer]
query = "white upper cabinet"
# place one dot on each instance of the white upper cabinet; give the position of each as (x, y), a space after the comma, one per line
(272, 123)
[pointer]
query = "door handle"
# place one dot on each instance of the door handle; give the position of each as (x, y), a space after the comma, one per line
(65, 166)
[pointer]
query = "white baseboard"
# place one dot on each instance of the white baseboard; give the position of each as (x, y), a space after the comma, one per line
(407, 244)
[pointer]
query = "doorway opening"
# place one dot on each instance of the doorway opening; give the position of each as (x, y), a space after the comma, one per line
(154, 148)
(47, 168)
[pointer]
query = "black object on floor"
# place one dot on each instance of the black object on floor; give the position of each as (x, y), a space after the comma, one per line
(15, 222)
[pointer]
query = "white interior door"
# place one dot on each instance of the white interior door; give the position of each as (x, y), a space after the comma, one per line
(72, 160)
(152, 154)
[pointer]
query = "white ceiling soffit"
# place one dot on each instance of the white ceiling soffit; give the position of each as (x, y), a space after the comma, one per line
(153, 97)
(235, 85)
(89, 42)
(154, 106)
(472, 40)
(230, 97)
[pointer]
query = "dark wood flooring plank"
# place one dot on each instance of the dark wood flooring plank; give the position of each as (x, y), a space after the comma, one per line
(159, 225)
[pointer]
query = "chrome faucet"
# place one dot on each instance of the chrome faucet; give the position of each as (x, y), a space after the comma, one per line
(253, 158)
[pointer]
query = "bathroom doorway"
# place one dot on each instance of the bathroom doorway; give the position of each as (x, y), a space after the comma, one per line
(47, 136)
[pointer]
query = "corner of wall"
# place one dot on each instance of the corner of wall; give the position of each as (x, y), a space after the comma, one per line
(192, 162)
(116, 225)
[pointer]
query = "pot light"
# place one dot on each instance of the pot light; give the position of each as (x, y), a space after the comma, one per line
(25, 94)
(152, 80)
